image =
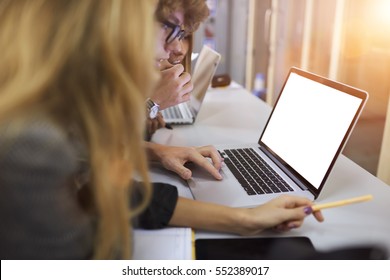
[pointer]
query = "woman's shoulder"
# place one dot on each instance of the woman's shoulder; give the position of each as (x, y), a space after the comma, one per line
(38, 163)
(35, 130)
(36, 143)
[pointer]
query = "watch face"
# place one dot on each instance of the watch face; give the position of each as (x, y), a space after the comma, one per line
(153, 112)
(153, 108)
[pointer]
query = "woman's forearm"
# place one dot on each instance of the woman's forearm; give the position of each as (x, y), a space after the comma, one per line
(151, 150)
(283, 214)
(207, 216)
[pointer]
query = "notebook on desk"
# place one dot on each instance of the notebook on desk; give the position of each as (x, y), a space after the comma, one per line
(305, 133)
(205, 67)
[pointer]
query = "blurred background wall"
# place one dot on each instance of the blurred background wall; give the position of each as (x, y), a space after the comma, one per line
(345, 40)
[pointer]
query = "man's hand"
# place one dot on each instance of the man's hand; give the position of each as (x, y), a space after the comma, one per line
(174, 158)
(174, 87)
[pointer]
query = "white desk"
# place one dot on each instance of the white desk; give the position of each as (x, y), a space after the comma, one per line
(235, 116)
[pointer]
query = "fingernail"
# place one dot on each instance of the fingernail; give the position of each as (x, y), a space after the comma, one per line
(291, 226)
(187, 174)
(308, 210)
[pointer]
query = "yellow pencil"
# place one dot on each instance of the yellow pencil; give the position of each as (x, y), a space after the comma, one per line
(342, 202)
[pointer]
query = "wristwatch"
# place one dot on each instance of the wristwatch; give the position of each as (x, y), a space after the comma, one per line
(152, 107)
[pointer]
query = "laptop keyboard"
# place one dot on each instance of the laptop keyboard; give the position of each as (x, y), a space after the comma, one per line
(253, 173)
(179, 112)
(174, 112)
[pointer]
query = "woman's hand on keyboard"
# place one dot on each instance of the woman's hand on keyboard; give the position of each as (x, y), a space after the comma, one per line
(174, 158)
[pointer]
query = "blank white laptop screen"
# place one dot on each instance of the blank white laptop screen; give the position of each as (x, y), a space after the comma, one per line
(306, 131)
(308, 137)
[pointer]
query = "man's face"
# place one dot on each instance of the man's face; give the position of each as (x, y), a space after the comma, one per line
(164, 49)
(177, 56)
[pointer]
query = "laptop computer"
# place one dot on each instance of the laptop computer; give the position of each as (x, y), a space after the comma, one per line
(205, 67)
(306, 131)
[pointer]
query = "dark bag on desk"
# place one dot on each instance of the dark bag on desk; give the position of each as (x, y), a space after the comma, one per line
(278, 248)
(261, 248)
(352, 253)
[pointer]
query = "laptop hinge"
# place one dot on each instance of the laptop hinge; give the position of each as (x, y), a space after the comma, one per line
(284, 169)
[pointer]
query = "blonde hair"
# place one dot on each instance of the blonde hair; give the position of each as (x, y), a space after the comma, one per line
(88, 63)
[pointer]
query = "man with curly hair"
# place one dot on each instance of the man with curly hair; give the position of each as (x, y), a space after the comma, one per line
(180, 19)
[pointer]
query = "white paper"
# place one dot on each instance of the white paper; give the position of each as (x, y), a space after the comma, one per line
(163, 244)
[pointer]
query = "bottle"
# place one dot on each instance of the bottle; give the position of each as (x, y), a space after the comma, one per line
(259, 85)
